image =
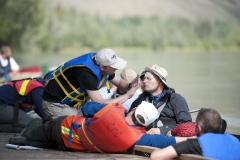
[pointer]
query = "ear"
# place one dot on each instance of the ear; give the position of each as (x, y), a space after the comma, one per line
(200, 130)
(134, 109)
(101, 67)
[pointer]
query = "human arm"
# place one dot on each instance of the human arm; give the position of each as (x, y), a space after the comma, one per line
(36, 96)
(14, 68)
(178, 110)
(14, 65)
(164, 154)
(181, 109)
(88, 81)
(123, 84)
(190, 146)
(159, 141)
(90, 108)
(96, 96)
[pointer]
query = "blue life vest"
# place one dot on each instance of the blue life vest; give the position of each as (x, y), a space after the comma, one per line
(4, 71)
(79, 95)
(220, 146)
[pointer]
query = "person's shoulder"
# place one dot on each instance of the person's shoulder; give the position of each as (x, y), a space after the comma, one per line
(175, 95)
(11, 59)
(80, 70)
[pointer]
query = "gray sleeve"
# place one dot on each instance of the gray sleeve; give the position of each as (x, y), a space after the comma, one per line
(181, 109)
(165, 129)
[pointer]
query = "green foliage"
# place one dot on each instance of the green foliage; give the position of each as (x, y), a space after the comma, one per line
(80, 30)
(16, 19)
(26, 24)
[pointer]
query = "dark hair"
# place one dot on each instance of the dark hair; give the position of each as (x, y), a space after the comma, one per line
(142, 75)
(135, 120)
(209, 120)
(4, 48)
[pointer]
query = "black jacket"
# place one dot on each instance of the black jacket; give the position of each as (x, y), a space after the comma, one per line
(175, 112)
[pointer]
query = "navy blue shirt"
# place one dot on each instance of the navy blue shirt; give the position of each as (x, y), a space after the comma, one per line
(7, 95)
(159, 141)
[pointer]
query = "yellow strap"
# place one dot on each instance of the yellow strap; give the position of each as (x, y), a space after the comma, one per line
(101, 82)
(64, 90)
(83, 128)
(23, 87)
(108, 86)
(79, 102)
(66, 131)
(73, 88)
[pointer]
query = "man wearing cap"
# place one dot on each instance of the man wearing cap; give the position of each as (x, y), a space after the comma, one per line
(74, 82)
(172, 107)
(103, 128)
(16, 98)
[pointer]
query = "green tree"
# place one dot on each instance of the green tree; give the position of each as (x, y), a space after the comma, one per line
(16, 18)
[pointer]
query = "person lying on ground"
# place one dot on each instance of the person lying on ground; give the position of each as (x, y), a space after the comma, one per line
(74, 82)
(104, 128)
(172, 107)
(18, 97)
(210, 142)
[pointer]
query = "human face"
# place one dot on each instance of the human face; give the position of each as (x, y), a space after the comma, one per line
(8, 53)
(150, 82)
(106, 70)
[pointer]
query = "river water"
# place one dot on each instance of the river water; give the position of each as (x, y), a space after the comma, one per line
(209, 80)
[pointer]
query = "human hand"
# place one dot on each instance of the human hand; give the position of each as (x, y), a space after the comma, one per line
(133, 89)
(135, 81)
(153, 131)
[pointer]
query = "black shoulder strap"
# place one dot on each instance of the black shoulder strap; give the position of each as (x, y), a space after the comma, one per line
(16, 108)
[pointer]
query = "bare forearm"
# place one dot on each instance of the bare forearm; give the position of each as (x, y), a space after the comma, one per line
(119, 99)
(164, 154)
(180, 139)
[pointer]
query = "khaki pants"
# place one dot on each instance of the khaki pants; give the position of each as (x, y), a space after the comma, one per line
(54, 110)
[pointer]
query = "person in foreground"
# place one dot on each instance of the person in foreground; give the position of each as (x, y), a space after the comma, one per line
(104, 128)
(172, 107)
(76, 81)
(210, 142)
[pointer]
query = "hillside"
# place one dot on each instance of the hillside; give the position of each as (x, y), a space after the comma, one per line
(189, 9)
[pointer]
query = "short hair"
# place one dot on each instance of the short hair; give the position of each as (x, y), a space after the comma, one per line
(4, 48)
(135, 121)
(210, 120)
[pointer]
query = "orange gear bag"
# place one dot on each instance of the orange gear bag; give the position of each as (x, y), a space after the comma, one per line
(108, 132)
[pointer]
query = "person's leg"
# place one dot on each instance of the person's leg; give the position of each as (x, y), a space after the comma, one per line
(48, 132)
(6, 119)
(54, 110)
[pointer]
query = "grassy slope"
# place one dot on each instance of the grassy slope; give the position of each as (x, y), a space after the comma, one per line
(189, 9)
